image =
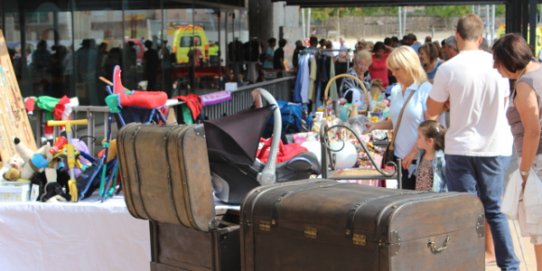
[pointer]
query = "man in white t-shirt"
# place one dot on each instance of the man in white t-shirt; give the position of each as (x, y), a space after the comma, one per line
(478, 143)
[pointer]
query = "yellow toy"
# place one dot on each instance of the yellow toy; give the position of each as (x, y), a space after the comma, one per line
(70, 151)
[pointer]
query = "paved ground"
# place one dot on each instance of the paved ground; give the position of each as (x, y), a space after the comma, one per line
(524, 250)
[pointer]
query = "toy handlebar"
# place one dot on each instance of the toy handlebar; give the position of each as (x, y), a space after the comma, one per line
(67, 123)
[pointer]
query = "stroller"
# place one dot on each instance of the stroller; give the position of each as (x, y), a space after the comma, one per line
(125, 106)
(232, 143)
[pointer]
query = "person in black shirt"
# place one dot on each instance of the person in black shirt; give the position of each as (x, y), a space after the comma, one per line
(278, 56)
(151, 62)
(299, 47)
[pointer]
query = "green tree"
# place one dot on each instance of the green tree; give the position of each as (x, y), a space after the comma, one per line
(447, 11)
(323, 14)
(500, 10)
(373, 11)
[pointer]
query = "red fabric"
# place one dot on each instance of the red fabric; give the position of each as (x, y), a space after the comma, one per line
(60, 107)
(379, 69)
(286, 151)
(193, 102)
(29, 104)
(48, 130)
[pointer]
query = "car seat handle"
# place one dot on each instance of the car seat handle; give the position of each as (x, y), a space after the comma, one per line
(268, 174)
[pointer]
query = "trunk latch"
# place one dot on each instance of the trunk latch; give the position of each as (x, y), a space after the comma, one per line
(359, 239)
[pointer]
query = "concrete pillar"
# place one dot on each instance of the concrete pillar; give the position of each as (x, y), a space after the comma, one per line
(260, 19)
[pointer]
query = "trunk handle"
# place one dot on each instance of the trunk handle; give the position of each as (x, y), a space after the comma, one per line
(436, 249)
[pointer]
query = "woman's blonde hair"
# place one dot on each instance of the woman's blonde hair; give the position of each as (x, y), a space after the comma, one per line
(363, 55)
(404, 57)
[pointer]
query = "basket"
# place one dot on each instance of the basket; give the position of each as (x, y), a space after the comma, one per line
(328, 102)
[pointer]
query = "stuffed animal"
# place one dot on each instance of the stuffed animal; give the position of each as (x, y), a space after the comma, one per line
(52, 182)
(33, 161)
(377, 90)
(11, 171)
(52, 191)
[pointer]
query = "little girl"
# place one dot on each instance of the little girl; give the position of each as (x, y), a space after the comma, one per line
(430, 163)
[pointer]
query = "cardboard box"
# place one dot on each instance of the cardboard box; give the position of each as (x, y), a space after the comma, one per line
(18, 192)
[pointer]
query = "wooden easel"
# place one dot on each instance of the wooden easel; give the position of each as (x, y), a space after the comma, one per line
(13, 118)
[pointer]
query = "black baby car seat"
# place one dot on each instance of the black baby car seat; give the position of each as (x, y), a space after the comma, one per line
(232, 142)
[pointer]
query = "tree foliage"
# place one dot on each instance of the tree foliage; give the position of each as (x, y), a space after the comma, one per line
(323, 14)
(448, 11)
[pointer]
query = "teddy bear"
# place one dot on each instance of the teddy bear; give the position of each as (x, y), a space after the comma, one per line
(33, 161)
(11, 171)
(51, 181)
(52, 191)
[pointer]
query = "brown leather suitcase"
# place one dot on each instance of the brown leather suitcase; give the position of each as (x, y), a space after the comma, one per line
(166, 175)
(329, 225)
(166, 179)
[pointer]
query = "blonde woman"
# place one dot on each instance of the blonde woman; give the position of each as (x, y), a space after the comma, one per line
(411, 81)
(350, 88)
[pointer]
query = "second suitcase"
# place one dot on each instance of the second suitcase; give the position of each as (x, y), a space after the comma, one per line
(328, 225)
(166, 180)
(166, 174)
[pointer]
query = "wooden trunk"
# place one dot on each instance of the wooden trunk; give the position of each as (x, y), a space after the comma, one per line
(166, 179)
(176, 248)
(328, 225)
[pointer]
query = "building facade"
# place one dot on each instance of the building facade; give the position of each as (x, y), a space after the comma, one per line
(62, 47)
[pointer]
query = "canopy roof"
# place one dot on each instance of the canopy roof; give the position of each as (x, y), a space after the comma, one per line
(342, 3)
(132, 4)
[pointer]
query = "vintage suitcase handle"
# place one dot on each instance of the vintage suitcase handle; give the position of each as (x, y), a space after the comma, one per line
(168, 173)
(137, 181)
(435, 249)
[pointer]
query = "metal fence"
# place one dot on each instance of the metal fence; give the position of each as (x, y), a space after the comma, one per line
(96, 129)
(280, 88)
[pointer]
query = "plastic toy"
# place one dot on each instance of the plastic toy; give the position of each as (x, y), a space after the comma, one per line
(72, 183)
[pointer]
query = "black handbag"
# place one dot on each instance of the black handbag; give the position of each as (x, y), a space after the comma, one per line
(388, 158)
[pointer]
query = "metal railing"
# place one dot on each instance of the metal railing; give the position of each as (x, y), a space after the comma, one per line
(280, 88)
(96, 129)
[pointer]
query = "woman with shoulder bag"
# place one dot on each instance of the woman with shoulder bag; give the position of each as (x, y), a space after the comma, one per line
(514, 60)
(407, 108)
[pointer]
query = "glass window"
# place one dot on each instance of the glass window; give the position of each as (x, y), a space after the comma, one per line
(63, 47)
(143, 55)
(46, 39)
(97, 47)
(186, 41)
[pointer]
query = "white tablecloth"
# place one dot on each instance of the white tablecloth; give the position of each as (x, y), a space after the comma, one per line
(79, 236)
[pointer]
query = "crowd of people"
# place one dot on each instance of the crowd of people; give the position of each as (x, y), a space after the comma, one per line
(54, 70)
(460, 109)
